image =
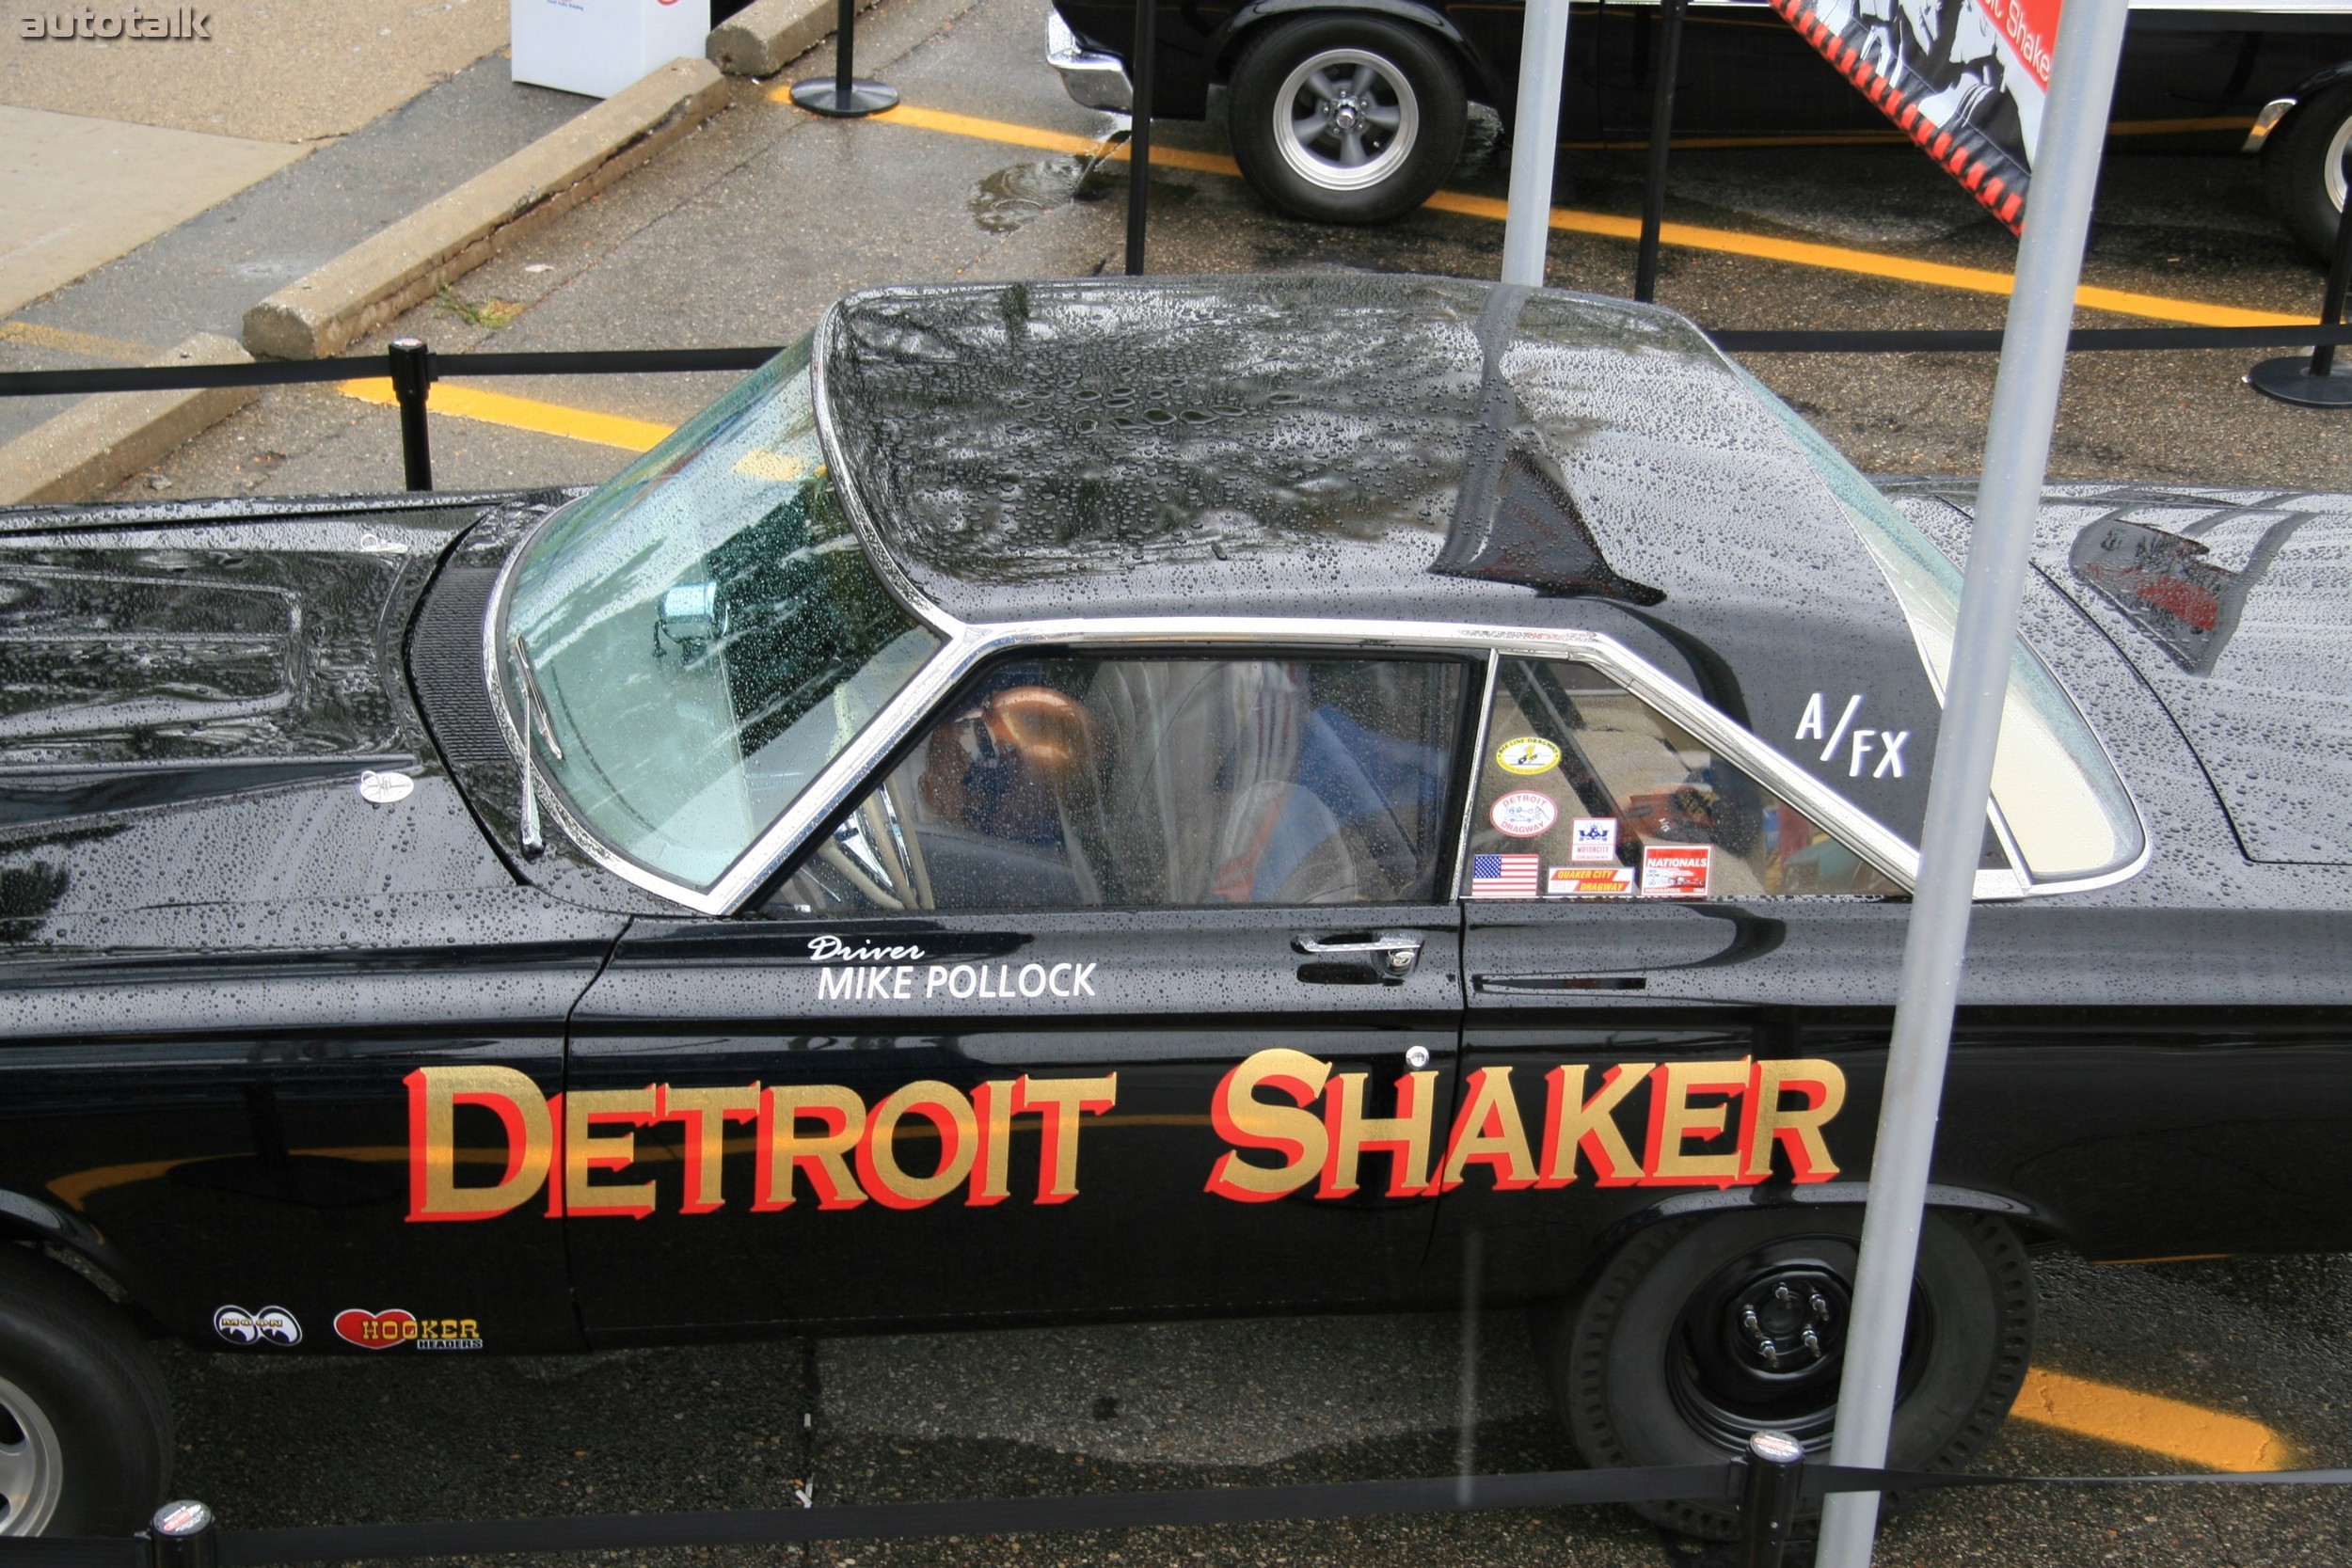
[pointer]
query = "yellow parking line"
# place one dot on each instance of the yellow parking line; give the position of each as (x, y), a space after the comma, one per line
(65, 340)
(2190, 1432)
(547, 418)
(1805, 253)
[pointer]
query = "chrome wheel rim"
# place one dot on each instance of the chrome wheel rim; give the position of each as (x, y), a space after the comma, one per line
(32, 1467)
(2332, 167)
(1346, 120)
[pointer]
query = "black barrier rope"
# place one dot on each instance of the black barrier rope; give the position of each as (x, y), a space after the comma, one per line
(413, 367)
(1226, 1505)
(653, 361)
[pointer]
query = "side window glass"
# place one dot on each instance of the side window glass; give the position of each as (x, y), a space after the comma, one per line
(1073, 783)
(1588, 792)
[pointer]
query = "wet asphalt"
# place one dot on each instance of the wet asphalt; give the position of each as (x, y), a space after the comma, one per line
(742, 235)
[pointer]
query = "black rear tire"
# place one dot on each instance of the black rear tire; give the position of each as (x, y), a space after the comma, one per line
(84, 1423)
(2296, 172)
(1653, 1365)
(1394, 128)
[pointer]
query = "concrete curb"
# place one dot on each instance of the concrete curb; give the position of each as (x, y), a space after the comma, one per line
(764, 38)
(378, 279)
(108, 436)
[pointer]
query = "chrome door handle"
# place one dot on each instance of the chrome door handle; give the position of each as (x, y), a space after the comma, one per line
(1396, 953)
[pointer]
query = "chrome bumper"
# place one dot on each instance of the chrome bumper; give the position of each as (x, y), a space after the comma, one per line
(1097, 81)
(2266, 122)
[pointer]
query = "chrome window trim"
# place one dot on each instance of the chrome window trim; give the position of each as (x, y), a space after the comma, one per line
(1477, 768)
(835, 786)
(968, 647)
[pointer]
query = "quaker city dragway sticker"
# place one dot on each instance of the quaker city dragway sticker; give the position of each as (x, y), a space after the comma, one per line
(395, 1327)
(1523, 813)
(268, 1325)
(1527, 754)
(1589, 881)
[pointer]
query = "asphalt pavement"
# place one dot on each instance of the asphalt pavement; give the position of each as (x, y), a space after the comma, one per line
(742, 234)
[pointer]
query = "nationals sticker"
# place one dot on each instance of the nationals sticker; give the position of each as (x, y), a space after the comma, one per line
(1675, 870)
(1527, 754)
(1523, 813)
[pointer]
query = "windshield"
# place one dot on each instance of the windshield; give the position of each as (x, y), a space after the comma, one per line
(2052, 787)
(706, 632)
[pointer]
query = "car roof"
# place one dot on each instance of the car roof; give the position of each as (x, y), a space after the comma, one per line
(1345, 445)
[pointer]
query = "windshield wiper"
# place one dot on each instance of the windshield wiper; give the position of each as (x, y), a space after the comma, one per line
(534, 704)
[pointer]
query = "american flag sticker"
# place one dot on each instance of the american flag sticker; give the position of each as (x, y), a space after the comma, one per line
(1503, 876)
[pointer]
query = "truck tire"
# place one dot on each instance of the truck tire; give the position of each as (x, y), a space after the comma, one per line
(2303, 169)
(84, 1424)
(1692, 1338)
(1346, 118)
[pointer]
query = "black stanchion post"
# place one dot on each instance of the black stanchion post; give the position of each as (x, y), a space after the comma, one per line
(2315, 383)
(1662, 125)
(845, 97)
(1768, 1502)
(183, 1535)
(1145, 54)
(412, 381)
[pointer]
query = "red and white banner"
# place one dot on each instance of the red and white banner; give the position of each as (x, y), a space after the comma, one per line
(1965, 79)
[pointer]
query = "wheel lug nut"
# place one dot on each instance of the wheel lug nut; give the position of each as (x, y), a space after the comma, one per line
(1770, 1352)
(1748, 1320)
(1819, 1307)
(1813, 1343)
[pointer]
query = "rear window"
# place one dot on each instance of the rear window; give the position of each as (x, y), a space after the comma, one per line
(2054, 792)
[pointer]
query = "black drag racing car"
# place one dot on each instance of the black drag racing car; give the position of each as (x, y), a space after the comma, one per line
(1105, 800)
(1354, 110)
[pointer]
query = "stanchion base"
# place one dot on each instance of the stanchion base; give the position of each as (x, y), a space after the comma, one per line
(2292, 381)
(822, 96)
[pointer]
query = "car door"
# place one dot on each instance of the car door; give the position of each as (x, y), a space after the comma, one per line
(1654, 943)
(1128, 986)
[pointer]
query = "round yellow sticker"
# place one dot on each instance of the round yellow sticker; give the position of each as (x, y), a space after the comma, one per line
(1527, 754)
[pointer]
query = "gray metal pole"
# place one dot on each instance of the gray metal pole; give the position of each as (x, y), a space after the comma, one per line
(1534, 142)
(2016, 455)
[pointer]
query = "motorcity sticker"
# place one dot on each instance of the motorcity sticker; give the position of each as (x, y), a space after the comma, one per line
(1523, 813)
(395, 1326)
(1527, 754)
(270, 1325)
(1589, 881)
(1593, 838)
(1675, 870)
(1290, 1121)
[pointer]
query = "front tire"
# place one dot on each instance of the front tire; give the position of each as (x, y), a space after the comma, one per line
(2303, 169)
(1341, 118)
(1695, 1336)
(85, 1425)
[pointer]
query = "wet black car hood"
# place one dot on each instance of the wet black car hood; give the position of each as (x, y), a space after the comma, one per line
(192, 696)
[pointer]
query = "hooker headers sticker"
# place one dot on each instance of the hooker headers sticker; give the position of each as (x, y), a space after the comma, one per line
(397, 1325)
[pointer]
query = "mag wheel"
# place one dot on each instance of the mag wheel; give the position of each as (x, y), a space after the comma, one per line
(1344, 119)
(85, 1428)
(2303, 169)
(1699, 1333)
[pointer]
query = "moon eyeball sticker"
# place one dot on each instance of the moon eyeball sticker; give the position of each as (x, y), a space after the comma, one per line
(1527, 754)
(1523, 813)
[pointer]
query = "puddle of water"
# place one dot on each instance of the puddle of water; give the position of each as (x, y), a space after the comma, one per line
(1020, 193)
